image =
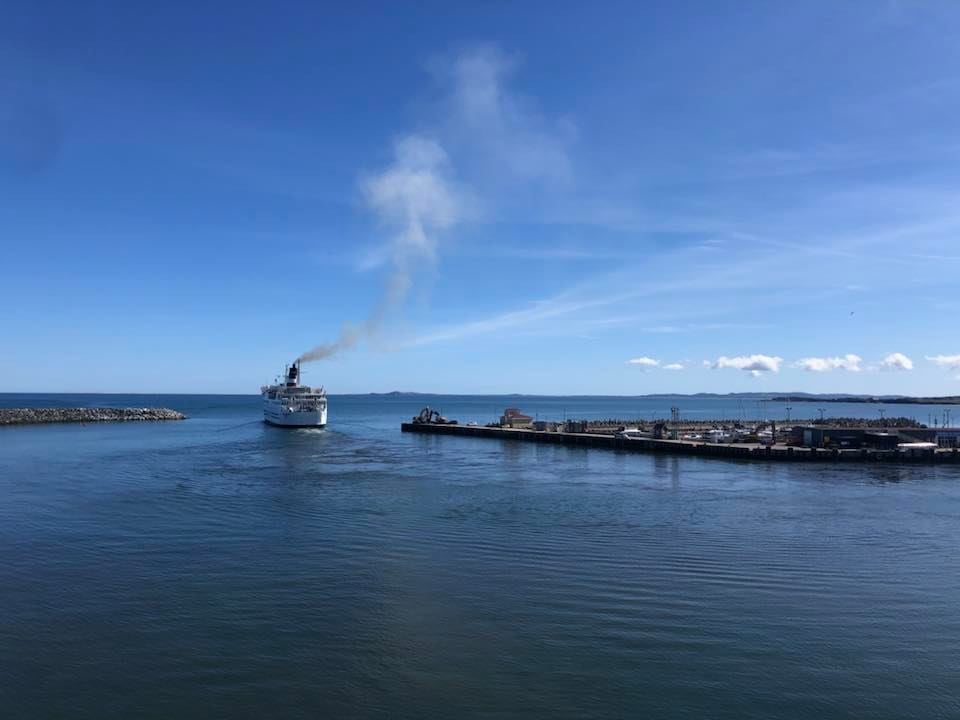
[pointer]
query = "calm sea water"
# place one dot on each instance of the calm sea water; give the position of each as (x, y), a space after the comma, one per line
(218, 567)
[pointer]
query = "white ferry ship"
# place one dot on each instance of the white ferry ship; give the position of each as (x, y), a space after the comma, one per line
(291, 404)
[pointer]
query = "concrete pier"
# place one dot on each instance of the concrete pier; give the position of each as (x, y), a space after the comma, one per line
(39, 416)
(735, 451)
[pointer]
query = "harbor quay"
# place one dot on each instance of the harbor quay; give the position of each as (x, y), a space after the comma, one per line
(910, 453)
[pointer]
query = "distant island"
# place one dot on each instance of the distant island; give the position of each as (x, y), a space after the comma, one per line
(397, 393)
(785, 398)
(883, 399)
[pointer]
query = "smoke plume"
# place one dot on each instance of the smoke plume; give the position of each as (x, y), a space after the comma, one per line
(507, 150)
(416, 198)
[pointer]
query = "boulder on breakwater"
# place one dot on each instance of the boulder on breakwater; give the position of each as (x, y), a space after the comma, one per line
(37, 416)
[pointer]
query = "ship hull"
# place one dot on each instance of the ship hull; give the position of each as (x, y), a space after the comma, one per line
(276, 423)
(274, 415)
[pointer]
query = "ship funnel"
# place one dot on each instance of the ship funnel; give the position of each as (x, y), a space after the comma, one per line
(293, 373)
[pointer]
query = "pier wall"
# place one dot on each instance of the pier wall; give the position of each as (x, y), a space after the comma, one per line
(733, 451)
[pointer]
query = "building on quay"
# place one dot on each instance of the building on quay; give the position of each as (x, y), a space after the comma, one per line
(823, 436)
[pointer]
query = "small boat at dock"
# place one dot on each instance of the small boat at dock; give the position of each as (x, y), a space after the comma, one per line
(633, 434)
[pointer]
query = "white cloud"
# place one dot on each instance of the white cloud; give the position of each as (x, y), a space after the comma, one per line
(896, 361)
(951, 362)
(754, 364)
(645, 362)
(849, 362)
(673, 366)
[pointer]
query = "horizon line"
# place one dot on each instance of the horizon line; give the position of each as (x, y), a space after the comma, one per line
(413, 393)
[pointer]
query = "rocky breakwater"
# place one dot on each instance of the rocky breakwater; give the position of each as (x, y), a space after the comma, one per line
(38, 416)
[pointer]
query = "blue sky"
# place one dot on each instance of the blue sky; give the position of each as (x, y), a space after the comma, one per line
(496, 197)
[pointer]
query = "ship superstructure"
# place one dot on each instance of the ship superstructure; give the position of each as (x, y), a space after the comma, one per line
(290, 404)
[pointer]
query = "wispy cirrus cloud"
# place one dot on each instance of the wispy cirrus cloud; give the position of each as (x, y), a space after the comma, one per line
(695, 282)
(692, 284)
(825, 159)
(535, 315)
(703, 327)
(679, 273)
